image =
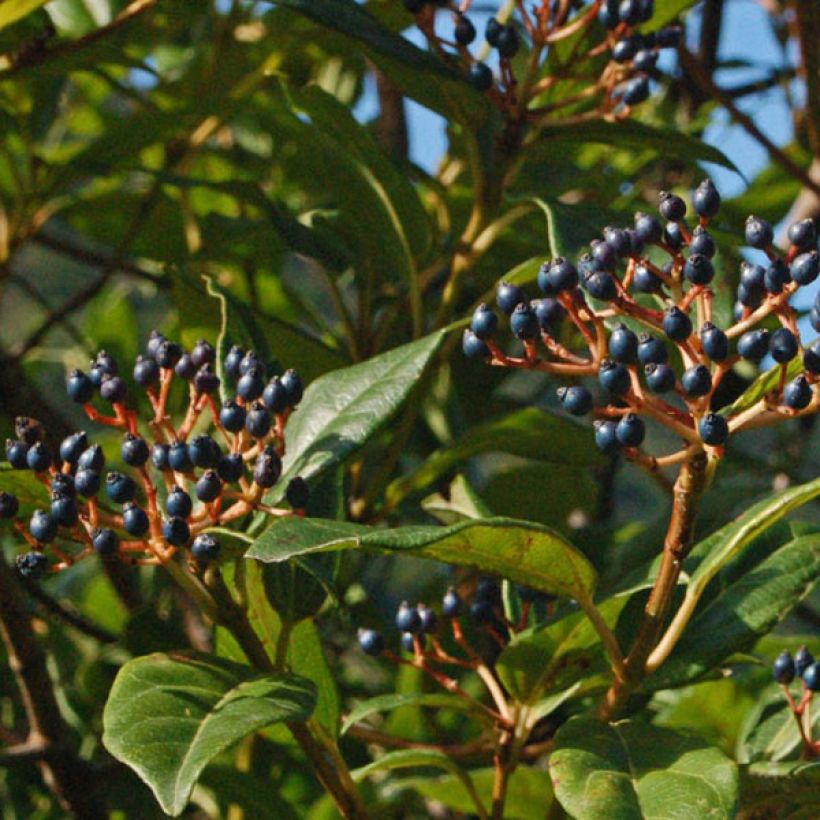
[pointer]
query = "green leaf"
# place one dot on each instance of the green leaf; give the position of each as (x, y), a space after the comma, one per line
(632, 770)
(386, 703)
(523, 552)
(765, 383)
(775, 735)
(168, 716)
(667, 142)
(13, 10)
(571, 227)
(341, 410)
(668, 11)
(29, 491)
(746, 610)
(789, 790)
(531, 433)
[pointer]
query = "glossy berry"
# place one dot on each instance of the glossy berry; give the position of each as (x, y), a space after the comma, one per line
(702, 243)
(797, 394)
(805, 268)
(776, 276)
(636, 243)
(473, 347)
(178, 503)
(508, 296)
(230, 364)
(636, 90)
(714, 342)
(408, 641)
(38, 457)
(465, 32)
(624, 50)
(42, 526)
(803, 235)
(524, 323)
(87, 482)
(618, 240)
(630, 430)
(9, 505)
(748, 297)
(753, 277)
(72, 447)
(206, 381)
(176, 531)
(268, 468)
(623, 345)
(168, 354)
(64, 509)
(208, 487)
(645, 60)
(79, 387)
(231, 467)
(92, 459)
(407, 618)
(135, 520)
(371, 642)
(203, 353)
(134, 450)
(629, 12)
(676, 324)
(508, 42)
(113, 389)
(803, 659)
(660, 378)
(811, 358)
(562, 274)
(32, 565)
(232, 416)
(783, 667)
(645, 280)
(275, 396)
(603, 255)
(451, 604)
(492, 30)
(669, 37)
(251, 384)
(758, 232)
(185, 367)
(601, 285)
(297, 493)
(120, 488)
(484, 322)
(673, 236)
(105, 541)
(63, 484)
(811, 678)
(204, 451)
(179, 459)
(696, 381)
(155, 339)
(651, 350)
(713, 429)
(648, 228)
(549, 313)
(543, 280)
(16, 452)
(160, 456)
(706, 199)
(294, 388)
(783, 345)
(698, 269)
(754, 344)
(576, 400)
(428, 618)
(480, 76)
(671, 206)
(613, 377)
(205, 548)
(606, 438)
(481, 612)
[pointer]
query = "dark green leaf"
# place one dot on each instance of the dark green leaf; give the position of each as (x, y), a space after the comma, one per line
(634, 770)
(765, 383)
(789, 790)
(13, 10)
(386, 703)
(167, 716)
(571, 227)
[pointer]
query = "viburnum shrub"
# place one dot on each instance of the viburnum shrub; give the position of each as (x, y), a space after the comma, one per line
(486, 488)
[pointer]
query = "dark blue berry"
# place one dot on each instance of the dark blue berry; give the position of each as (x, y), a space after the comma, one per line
(160, 456)
(473, 347)
(205, 548)
(660, 378)
(168, 353)
(624, 50)
(758, 232)
(106, 363)
(636, 242)
(209, 486)
(713, 429)
(604, 255)
(576, 400)
(714, 342)
(9, 505)
(629, 12)
(606, 438)
(408, 641)
(120, 488)
(232, 416)
(297, 493)
(185, 367)
(87, 482)
(32, 565)
(623, 345)
(630, 430)
(614, 377)
(155, 339)
(508, 296)
(648, 227)
(748, 297)
(777, 275)
(135, 520)
(645, 280)
(203, 353)
(754, 344)
(294, 388)
(543, 280)
(176, 531)
(484, 322)
(42, 526)
(671, 207)
(251, 361)
(562, 274)
(251, 384)
(753, 277)
(645, 60)
(783, 345)
(231, 467)
(811, 358)
(16, 452)
(783, 667)
(465, 31)
(673, 236)
(480, 76)
(64, 509)
(275, 396)
(231, 362)
(481, 612)
(508, 42)
(811, 678)
(601, 285)
(134, 450)
(268, 468)
(206, 381)
(178, 503)
(803, 659)
(698, 269)
(702, 243)
(428, 618)
(113, 389)
(636, 90)
(73, 446)
(39, 458)
(549, 313)
(451, 604)
(676, 324)
(407, 618)
(63, 484)
(492, 30)
(706, 199)
(79, 387)
(696, 381)
(805, 268)
(204, 451)
(92, 459)
(669, 37)
(797, 394)
(105, 542)
(803, 235)
(371, 642)
(524, 323)
(179, 459)
(618, 240)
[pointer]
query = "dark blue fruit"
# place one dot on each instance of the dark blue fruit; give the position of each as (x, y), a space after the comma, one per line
(120, 488)
(484, 322)
(660, 378)
(601, 285)
(232, 416)
(9, 505)
(135, 520)
(783, 667)
(618, 240)
(16, 452)
(92, 459)
(178, 504)
(251, 384)
(230, 364)
(168, 353)
(134, 450)
(206, 381)
(797, 394)
(706, 199)
(64, 509)
(714, 342)
(79, 387)
(203, 353)
(606, 438)
(268, 468)
(651, 350)
(32, 565)
(576, 400)
(38, 457)
(783, 345)
(648, 228)
(524, 323)
(176, 531)
(630, 430)
(428, 617)
(777, 275)
(549, 313)
(803, 235)
(160, 456)
(698, 269)
(758, 232)
(676, 324)
(42, 526)
(231, 467)
(407, 618)
(481, 612)
(87, 482)
(205, 548)
(73, 446)
(702, 243)
(645, 280)
(713, 429)
(480, 76)
(754, 344)
(811, 678)
(473, 347)
(179, 459)
(803, 659)
(604, 255)
(614, 377)
(805, 268)
(185, 367)
(645, 60)
(562, 274)
(105, 541)
(209, 486)
(671, 207)
(451, 604)
(297, 493)
(696, 381)
(275, 396)
(465, 32)
(204, 451)
(63, 484)
(623, 345)
(371, 642)
(295, 389)
(811, 358)
(113, 389)
(636, 90)
(258, 420)
(155, 339)
(507, 296)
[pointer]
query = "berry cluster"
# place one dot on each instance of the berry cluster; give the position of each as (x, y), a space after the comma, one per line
(623, 81)
(146, 515)
(668, 368)
(802, 666)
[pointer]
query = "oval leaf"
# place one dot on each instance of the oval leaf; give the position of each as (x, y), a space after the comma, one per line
(386, 703)
(168, 716)
(631, 770)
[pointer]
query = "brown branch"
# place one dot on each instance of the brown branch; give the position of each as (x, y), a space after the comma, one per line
(808, 32)
(391, 125)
